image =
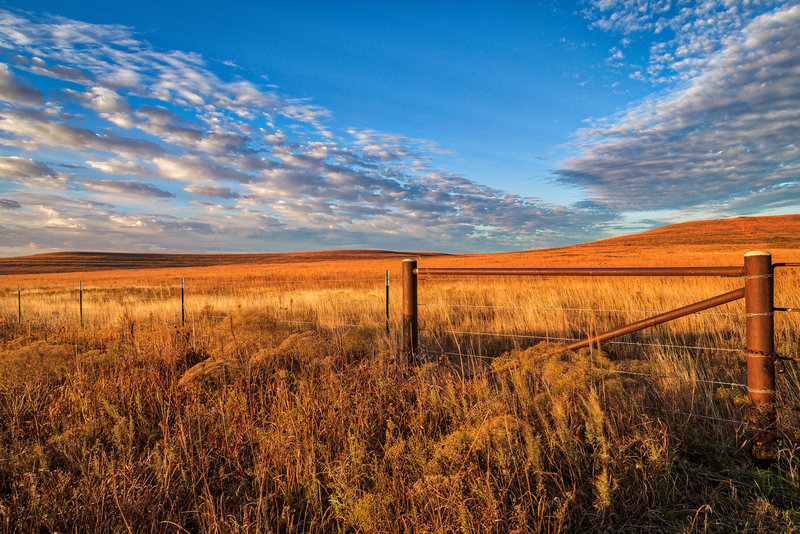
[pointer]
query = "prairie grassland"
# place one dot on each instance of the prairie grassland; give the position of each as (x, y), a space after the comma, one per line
(285, 406)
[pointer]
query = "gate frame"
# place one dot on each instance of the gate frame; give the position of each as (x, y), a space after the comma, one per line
(758, 293)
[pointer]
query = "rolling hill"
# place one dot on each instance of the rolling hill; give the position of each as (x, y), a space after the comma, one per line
(781, 231)
(703, 242)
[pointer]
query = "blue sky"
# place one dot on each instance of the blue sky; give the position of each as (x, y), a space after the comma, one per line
(460, 127)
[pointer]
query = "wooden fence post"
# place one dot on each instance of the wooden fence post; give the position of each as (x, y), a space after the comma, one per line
(760, 351)
(80, 297)
(387, 301)
(410, 316)
(19, 304)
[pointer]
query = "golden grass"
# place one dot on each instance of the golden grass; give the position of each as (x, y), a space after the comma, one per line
(271, 412)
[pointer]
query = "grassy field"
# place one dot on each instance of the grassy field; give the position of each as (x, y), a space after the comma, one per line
(286, 407)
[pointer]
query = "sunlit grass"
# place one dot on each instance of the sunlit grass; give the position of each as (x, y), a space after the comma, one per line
(283, 406)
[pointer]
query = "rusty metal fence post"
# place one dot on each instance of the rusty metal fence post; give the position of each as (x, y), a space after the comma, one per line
(387, 301)
(19, 304)
(410, 316)
(183, 309)
(760, 351)
(80, 298)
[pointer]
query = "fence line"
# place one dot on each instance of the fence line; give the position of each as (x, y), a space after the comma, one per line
(165, 292)
(758, 349)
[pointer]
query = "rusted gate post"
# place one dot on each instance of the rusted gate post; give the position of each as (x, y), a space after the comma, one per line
(760, 350)
(183, 309)
(387, 301)
(410, 316)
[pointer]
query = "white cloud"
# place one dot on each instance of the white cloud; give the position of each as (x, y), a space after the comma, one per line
(730, 132)
(191, 168)
(171, 128)
(211, 191)
(126, 187)
(222, 142)
(32, 129)
(18, 167)
(12, 90)
(689, 32)
(616, 55)
(120, 168)
(55, 219)
(105, 100)
(127, 221)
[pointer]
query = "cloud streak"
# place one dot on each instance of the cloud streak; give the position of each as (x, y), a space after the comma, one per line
(126, 188)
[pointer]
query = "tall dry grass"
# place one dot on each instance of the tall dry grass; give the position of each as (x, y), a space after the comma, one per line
(271, 412)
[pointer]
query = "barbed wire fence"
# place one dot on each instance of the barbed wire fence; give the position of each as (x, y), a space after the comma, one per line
(190, 301)
(93, 305)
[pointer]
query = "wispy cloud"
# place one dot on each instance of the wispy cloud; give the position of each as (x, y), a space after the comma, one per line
(138, 119)
(682, 34)
(159, 152)
(726, 138)
(121, 168)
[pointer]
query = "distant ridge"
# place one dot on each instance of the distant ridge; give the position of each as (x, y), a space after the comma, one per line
(66, 262)
(767, 232)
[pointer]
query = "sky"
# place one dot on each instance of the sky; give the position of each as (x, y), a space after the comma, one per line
(450, 126)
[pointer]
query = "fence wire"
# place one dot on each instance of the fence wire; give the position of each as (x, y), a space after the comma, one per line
(616, 371)
(224, 283)
(600, 310)
(692, 415)
(739, 423)
(570, 340)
